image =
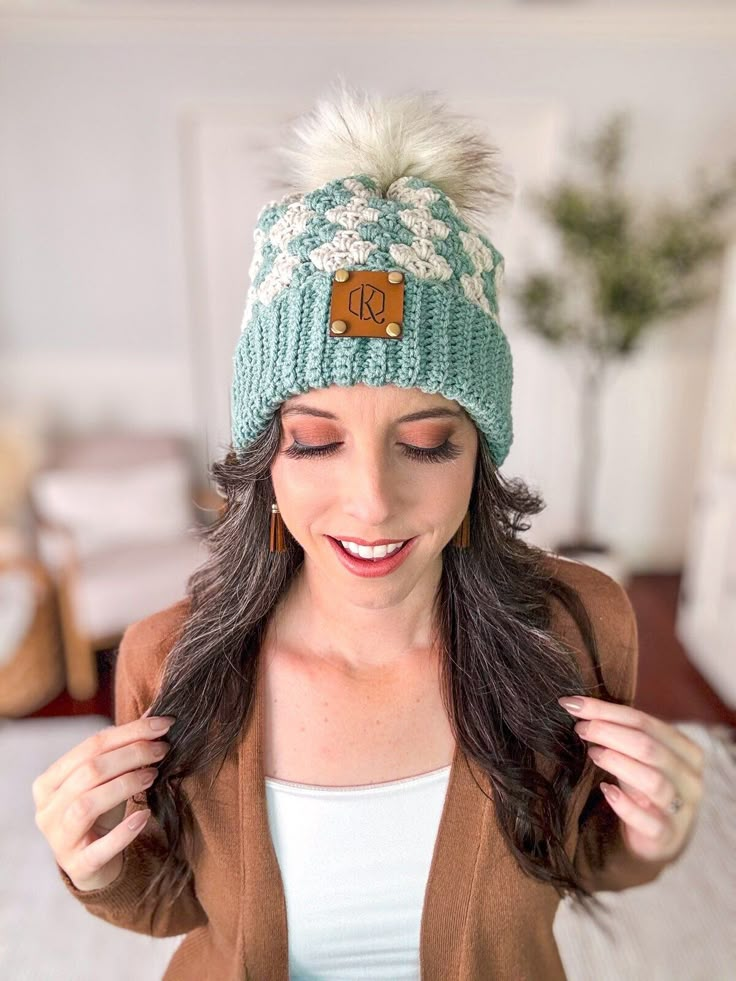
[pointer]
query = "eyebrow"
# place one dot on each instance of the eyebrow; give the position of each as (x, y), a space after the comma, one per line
(411, 417)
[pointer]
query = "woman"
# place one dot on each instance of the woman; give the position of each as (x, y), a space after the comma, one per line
(372, 771)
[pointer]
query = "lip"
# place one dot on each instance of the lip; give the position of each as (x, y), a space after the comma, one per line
(370, 570)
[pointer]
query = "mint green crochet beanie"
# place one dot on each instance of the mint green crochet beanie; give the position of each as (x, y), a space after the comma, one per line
(388, 187)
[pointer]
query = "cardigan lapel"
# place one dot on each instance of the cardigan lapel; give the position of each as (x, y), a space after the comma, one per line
(457, 847)
(263, 917)
(447, 895)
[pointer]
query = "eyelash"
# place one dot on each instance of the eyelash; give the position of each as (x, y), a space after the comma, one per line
(447, 451)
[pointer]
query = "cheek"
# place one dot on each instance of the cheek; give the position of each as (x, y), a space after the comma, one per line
(301, 491)
(445, 499)
(453, 490)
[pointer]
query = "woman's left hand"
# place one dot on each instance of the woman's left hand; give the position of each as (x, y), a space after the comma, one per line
(660, 774)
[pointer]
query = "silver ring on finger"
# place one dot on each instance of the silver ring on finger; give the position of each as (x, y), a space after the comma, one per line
(675, 804)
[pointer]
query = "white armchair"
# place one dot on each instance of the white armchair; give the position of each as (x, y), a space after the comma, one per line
(115, 522)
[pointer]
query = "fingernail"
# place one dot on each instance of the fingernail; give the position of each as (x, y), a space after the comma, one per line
(571, 704)
(610, 791)
(162, 722)
(138, 820)
(149, 780)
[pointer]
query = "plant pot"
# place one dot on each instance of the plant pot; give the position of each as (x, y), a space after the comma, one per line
(598, 555)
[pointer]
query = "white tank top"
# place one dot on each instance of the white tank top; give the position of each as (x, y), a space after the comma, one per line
(355, 863)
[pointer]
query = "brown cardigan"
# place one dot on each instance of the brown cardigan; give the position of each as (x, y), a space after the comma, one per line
(482, 917)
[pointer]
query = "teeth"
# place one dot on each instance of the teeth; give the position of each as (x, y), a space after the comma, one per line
(368, 552)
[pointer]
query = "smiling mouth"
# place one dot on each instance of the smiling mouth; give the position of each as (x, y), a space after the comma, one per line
(377, 558)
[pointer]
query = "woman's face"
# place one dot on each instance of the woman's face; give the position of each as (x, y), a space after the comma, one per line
(381, 476)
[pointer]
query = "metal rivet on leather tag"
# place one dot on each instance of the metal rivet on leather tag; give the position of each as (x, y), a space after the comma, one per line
(367, 303)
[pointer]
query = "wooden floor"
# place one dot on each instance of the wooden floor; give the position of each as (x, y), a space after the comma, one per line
(669, 686)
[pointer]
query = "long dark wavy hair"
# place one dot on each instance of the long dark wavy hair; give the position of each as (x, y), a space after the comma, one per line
(502, 668)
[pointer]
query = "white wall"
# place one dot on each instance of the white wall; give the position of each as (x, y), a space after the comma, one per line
(105, 267)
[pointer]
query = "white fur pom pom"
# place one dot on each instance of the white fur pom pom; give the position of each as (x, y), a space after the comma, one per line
(412, 135)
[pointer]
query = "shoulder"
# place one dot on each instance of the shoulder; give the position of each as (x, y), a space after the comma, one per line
(145, 645)
(612, 619)
(603, 597)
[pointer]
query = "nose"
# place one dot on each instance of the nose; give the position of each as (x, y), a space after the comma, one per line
(372, 492)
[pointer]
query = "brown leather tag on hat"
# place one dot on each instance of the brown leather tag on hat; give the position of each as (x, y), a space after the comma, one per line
(366, 303)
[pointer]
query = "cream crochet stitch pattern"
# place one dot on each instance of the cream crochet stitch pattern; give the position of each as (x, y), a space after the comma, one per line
(452, 342)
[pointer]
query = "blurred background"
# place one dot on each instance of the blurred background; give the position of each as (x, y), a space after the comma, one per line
(135, 157)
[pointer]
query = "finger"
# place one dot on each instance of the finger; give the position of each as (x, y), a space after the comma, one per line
(657, 785)
(648, 804)
(88, 861)
(114, 773)
(626, 715)
(649, 823)
(66, 827)
(112, 737)
(100, 769)
(639, 744)
(637, 796)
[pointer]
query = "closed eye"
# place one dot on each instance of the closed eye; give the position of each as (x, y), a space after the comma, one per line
(433, 454)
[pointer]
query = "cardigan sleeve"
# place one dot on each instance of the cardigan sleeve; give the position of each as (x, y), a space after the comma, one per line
(601, 856)
(120, 902)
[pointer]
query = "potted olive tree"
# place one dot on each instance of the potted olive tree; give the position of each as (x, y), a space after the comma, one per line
(626, 271)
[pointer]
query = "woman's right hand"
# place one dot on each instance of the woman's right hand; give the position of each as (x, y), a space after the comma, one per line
(81, 799)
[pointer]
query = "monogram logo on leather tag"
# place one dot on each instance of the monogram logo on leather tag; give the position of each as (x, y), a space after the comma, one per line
(367, 303)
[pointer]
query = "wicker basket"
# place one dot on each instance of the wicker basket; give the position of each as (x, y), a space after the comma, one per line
(32, 674)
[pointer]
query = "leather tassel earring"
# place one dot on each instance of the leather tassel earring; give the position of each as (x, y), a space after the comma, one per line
(461, 538)
(277, 542)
